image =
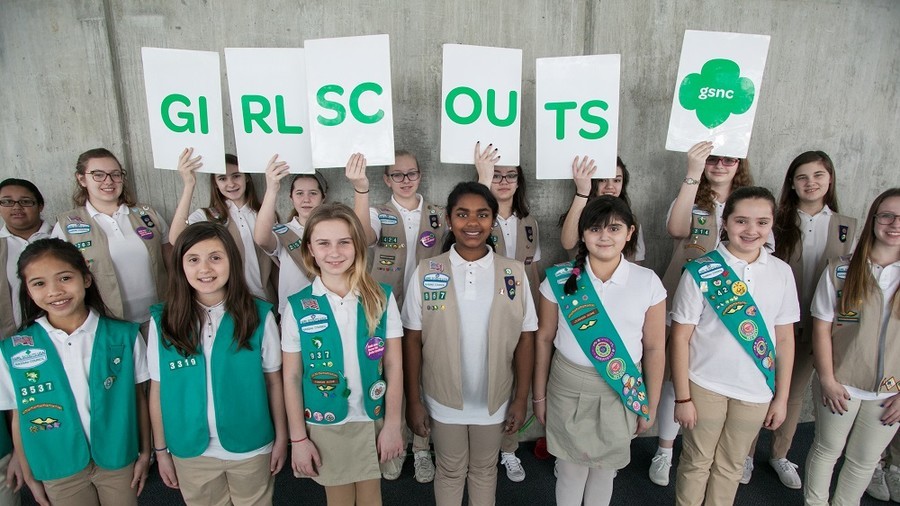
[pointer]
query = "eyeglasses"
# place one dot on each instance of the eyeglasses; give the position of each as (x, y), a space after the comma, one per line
(24, 202)
(882, 218)
(398, 177)
(100, 176)
(510, 178)
(712, 161)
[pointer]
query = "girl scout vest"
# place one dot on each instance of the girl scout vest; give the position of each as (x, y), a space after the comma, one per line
(441, 358)
(389, 260)
(239, 391)
(52, 434)
(526, 247)
(325, 390)
(731, 300)
(864, 356)
(268, 271)
(7, 322)
(291, 242)
(598, 338)
(82, 231)
(841, 231)
(703, 238)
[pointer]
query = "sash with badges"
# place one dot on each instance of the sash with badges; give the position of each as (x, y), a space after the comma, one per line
(599, 339)
(732, 302)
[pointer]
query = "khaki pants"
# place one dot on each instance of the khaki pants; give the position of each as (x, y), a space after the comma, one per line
(859, 434)
(712, 458)
(465, 454)
(214, 482)
(7, 496)
(94, 485)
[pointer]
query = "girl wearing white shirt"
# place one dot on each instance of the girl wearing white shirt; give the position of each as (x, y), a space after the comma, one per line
(124, 243)
(856, 345)
(233, 203)
(734, 309)
(282, 241)
(216, 398)
(343, 364)
(612, 370)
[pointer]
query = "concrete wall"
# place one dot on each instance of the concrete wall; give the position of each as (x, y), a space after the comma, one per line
(72, 80)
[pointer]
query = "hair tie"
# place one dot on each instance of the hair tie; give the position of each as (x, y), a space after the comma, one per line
(576, 271)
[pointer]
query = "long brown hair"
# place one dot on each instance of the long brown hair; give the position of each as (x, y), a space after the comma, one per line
(705, 198)
(371, 296)
(787, 222)
(319, 179)
(217, 200)
(80, 196)
(860, 284)
(183, 315)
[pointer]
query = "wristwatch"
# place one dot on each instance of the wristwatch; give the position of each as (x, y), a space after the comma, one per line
(690, 180)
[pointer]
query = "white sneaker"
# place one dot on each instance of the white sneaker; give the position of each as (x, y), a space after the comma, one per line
(892, 478)
(787, 472)
(514, 470)
(659, 469)
(423, 466)
(748, 471)
(878, 488)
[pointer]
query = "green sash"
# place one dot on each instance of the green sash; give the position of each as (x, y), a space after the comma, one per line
(599, 339)
(731, 301)
(325, 390)
(52, 434)
(240, 399)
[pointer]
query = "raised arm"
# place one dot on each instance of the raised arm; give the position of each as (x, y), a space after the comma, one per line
(187, 168)
(582, 172)
(679, 224)
(484, 163)
(265, 218)
(356, 174)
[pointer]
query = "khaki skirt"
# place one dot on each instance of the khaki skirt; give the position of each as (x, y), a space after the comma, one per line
(587, 424)
(347, 451)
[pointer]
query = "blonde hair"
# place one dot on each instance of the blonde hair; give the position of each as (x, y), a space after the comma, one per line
(371, 295)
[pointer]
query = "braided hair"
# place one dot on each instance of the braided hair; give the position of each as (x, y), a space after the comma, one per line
(599, 212)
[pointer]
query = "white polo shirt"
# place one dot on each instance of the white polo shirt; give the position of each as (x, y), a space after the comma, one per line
(271, 362)
(629, 293)
(411, 221)
(74, 352)
(509, 227)
(14, 247)
(825, 300)
(474, 288)
(290, 278)
(130, 259)
(717, 361)
(344, 310)
(245, 220)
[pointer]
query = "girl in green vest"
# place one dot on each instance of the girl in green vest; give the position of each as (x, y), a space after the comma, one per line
(281, 241)
(74, 378)
(586, 190)
(808, 232)
(233, 203)
(342, 364)
(606, 372)
(216, 402)
(856, 345)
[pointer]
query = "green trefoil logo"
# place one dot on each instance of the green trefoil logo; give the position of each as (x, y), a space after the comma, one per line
(717, 92)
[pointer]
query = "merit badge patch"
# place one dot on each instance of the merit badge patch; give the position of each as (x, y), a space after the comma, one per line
(377, 390)
(147, 221)
(748, 330)
(510, 282)
(434, 221)
(603, 349)
(428, 239)
(842, 232)
(144, 233)
(375, 348)
(739, 288)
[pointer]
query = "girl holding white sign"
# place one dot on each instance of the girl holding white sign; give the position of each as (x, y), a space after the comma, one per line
(343, 366)
(282, 241)
(586, 190)
(856, 327)
(605, 377)
(695, 223)
(232, 203)
(124, 242)
(809, 232)
(468, 350)
(734, 309)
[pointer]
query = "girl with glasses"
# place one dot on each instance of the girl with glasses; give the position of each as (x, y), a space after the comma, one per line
(124, 243)
(856, 348)
(234, 204)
